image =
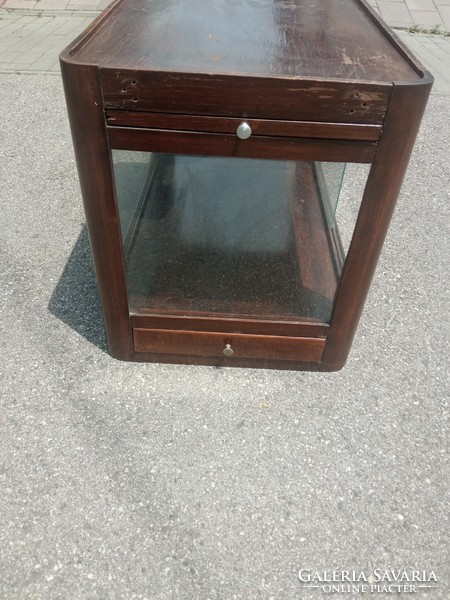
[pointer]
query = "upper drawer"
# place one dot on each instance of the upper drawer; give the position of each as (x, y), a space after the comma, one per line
(245, 97)
(230, 125)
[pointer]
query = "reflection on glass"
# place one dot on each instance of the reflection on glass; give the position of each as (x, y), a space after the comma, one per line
(329, 179)
(228, 236)
(351, 192)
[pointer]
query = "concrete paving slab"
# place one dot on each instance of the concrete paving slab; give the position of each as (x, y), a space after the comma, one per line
(70, 5)
(26, 38)
(444, 12)
(24, 4)
(50, 4)
(422, 14)
(424, 5)
(395, 13)
(427, 19)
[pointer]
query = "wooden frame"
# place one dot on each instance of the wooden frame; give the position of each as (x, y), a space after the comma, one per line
(124, 95)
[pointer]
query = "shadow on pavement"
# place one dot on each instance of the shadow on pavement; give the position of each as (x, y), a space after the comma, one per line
(75, 300)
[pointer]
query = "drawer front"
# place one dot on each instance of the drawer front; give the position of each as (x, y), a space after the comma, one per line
(257, 146)
(244, 97)
(265, 127)
(195, 343)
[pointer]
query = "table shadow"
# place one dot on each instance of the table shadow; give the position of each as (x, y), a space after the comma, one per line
(75, 298)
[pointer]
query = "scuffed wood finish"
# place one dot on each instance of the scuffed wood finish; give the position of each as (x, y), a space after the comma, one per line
(329, 39)
(317, 81)
(245, 96)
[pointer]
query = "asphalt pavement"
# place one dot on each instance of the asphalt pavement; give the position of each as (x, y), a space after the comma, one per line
(124, 481)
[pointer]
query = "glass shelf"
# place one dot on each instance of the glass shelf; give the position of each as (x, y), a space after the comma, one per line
(226, 236)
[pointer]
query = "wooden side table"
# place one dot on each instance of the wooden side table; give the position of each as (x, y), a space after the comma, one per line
(210, 140)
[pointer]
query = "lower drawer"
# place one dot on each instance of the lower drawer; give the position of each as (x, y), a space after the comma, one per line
(237, 345)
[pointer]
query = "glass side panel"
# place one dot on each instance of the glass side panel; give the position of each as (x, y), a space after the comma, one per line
(351, 193)
(329, 179)
(229, 236)
(132, 170)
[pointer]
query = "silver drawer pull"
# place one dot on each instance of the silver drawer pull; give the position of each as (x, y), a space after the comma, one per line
(228, 350)
(244, 131)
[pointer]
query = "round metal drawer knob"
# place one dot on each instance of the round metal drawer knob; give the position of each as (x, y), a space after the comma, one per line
(228, 350)
(244, 131)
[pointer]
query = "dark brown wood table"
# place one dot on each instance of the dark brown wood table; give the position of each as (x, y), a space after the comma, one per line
(211, 140)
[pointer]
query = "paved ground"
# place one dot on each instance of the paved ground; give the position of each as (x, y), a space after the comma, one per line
(123, 481)
(417, 14)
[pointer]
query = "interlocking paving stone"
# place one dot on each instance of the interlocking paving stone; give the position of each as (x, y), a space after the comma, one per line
(396, 13)
(444, 12)
(427, 19)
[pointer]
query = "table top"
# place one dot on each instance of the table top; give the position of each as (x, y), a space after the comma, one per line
(320, 39)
